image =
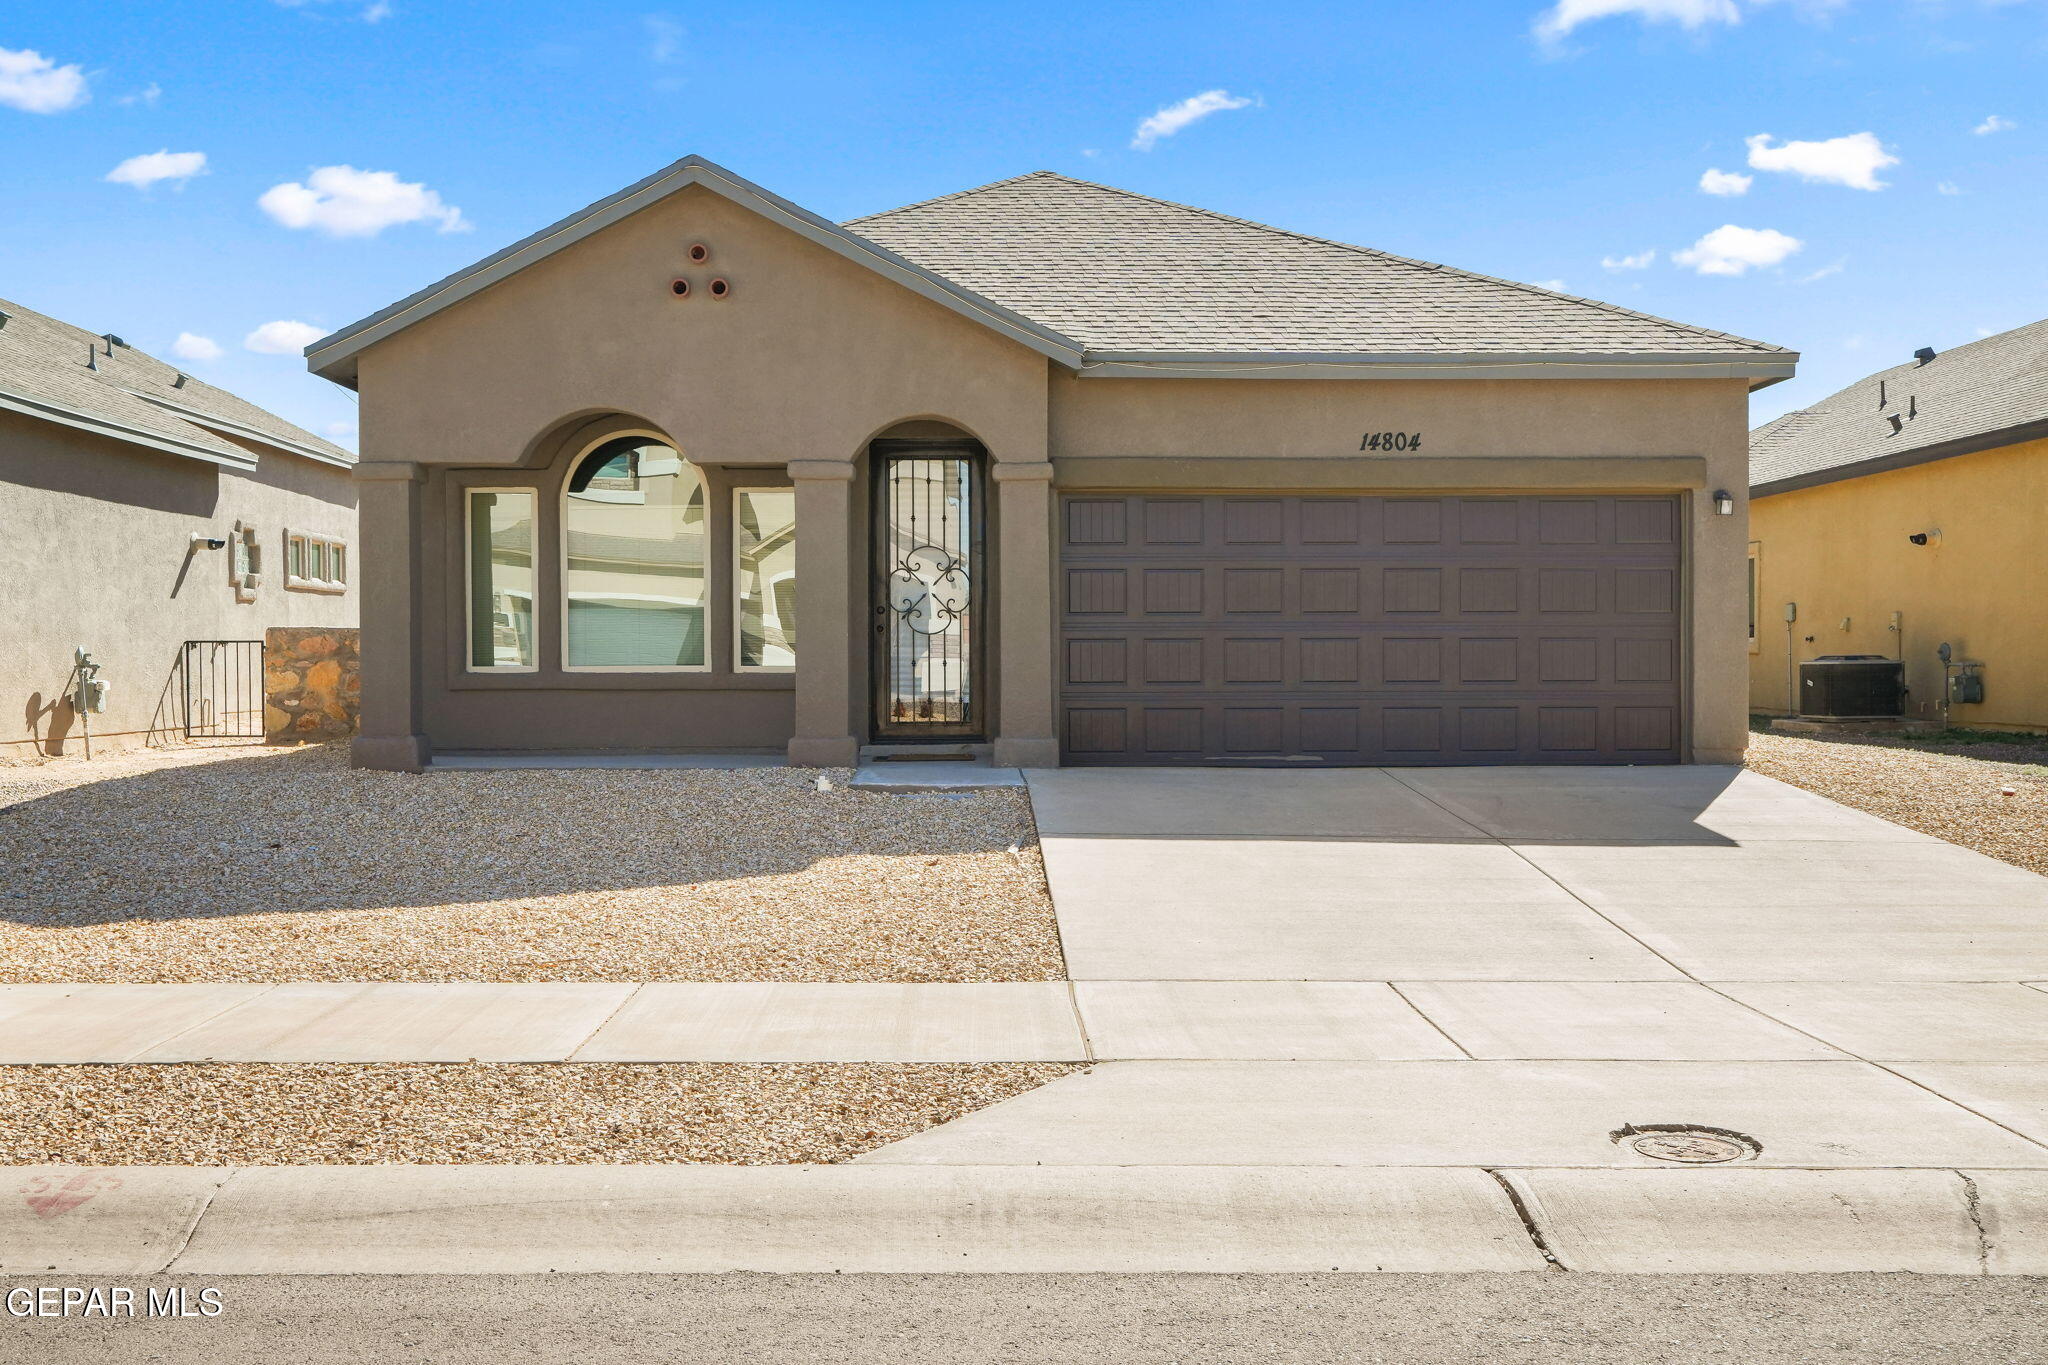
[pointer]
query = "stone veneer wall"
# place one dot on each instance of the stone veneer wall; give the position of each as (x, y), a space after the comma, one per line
(312, 684)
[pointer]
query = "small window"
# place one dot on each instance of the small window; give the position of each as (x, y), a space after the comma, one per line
(764, 578)
(314, 563)
(500, 542)
(633, 565)
(245, 563)
(1755, 590)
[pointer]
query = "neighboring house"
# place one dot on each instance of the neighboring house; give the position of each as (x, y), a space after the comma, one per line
(144, 508)
(1909, 511)
(1089, 476)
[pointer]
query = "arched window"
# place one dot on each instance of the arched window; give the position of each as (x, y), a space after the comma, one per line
(633, 559)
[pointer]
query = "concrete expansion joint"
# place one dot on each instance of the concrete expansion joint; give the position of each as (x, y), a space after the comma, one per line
(1536, 1237)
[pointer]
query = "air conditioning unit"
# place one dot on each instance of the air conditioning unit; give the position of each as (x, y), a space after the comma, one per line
(1852, 687)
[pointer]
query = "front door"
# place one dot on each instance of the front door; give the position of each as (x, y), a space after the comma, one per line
(927, 591)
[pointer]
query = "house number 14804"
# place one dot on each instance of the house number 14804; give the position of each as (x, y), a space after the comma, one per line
(1391, 440)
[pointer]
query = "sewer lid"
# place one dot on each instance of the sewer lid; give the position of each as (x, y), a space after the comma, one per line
(1692, 1146)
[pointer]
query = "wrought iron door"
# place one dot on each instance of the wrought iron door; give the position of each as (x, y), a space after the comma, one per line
(928, 581)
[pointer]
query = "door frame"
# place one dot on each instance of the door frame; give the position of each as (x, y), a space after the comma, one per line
(880, 454)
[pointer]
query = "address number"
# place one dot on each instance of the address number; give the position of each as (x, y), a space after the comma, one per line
(1391, 440)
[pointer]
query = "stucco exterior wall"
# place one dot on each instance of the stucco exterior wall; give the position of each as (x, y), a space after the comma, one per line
(1840, 552)
(98, 553)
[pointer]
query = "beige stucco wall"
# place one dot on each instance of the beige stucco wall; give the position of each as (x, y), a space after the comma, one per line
(97, 552)
(1840, 552)
(812, 357)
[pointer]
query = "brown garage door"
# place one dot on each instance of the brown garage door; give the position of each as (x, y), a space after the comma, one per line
(1369, 630)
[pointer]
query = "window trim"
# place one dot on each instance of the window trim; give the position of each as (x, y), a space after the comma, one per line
(333, 585)
(561, 594)
(733, 568)
(469, 663)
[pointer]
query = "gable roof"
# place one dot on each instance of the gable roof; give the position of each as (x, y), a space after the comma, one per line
(134, 397)
(1113, 283)
(1136, 279)
(1978, 396)
(333, 356)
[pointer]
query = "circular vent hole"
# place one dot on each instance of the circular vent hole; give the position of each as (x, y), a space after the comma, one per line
(719, 289)
(680, 288)
(699, 252)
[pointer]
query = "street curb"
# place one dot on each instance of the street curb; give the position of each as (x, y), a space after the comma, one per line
(852, 1219)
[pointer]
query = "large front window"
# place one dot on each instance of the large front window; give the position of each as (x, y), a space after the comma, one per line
(633, 580)
(501, 579)
(764, 577)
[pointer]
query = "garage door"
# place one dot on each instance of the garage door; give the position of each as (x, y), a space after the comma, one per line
(1369, 630)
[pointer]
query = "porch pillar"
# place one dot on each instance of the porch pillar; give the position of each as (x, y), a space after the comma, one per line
(825, 577)
(387, 562)
(1025, 591)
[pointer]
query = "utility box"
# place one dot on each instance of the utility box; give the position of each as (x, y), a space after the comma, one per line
(1853, 686)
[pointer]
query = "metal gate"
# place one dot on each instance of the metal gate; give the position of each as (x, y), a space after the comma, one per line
(928, 572)
(222, 686)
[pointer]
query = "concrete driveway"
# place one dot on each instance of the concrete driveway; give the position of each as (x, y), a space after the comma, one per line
(1523, 971)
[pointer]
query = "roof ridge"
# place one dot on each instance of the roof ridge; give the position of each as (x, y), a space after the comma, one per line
(956, 194)
(1376, 252)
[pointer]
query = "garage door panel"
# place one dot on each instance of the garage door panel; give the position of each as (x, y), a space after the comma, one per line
(1355, 629)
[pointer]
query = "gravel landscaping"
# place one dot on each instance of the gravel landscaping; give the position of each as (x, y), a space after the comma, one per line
(245, 864)
(265, 1114)
(1954, 791)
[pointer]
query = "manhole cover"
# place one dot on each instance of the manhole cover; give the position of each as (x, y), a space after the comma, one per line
(1690, 1144)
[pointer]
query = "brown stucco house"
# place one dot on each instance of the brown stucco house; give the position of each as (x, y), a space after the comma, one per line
(163, 526)
(1084, 475)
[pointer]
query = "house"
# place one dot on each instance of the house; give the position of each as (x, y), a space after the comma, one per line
(1906, 512)
(1086, 476)
(161, 526)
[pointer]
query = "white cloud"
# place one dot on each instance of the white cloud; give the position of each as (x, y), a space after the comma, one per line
(1716, 181)
(34, 84)
(1823, 272)
(153, 168)
(1948, 187)
(192, 346)
(1175, 117)
(147, 95)
(378, 12)
(1997, 123)
(1554, 286)
(1561, 18)
(1853, 160)
(1732, 250)
(341, 431)
(283, 338)
(664, 39)
(345, 202)
(1636, 262)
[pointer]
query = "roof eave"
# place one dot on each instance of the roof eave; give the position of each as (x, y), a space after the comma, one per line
(334, 356)
(228, 426)
(66, 415)
(1759, 369)
(1905, 459)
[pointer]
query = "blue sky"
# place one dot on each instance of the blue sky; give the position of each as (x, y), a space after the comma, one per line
(1898, 194)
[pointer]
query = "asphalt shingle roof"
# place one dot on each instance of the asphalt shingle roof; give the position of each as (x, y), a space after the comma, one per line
(1120, 272)
(1985, 387)
(42, 361)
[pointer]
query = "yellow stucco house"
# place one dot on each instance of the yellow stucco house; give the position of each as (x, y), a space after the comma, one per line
(1909, 511)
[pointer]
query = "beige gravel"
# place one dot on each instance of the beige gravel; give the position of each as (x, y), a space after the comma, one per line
(1954, 795)
(315, 1114)
(265, 865)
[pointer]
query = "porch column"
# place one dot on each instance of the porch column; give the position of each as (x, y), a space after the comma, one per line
(825, 578)
(387, 562)
(1025, 593)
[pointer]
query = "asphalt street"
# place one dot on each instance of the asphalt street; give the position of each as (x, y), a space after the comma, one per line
(1185, 1319)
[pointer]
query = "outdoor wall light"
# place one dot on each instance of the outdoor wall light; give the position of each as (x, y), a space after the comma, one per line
(1724, 503)
(1925, 538)
(200, 538)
